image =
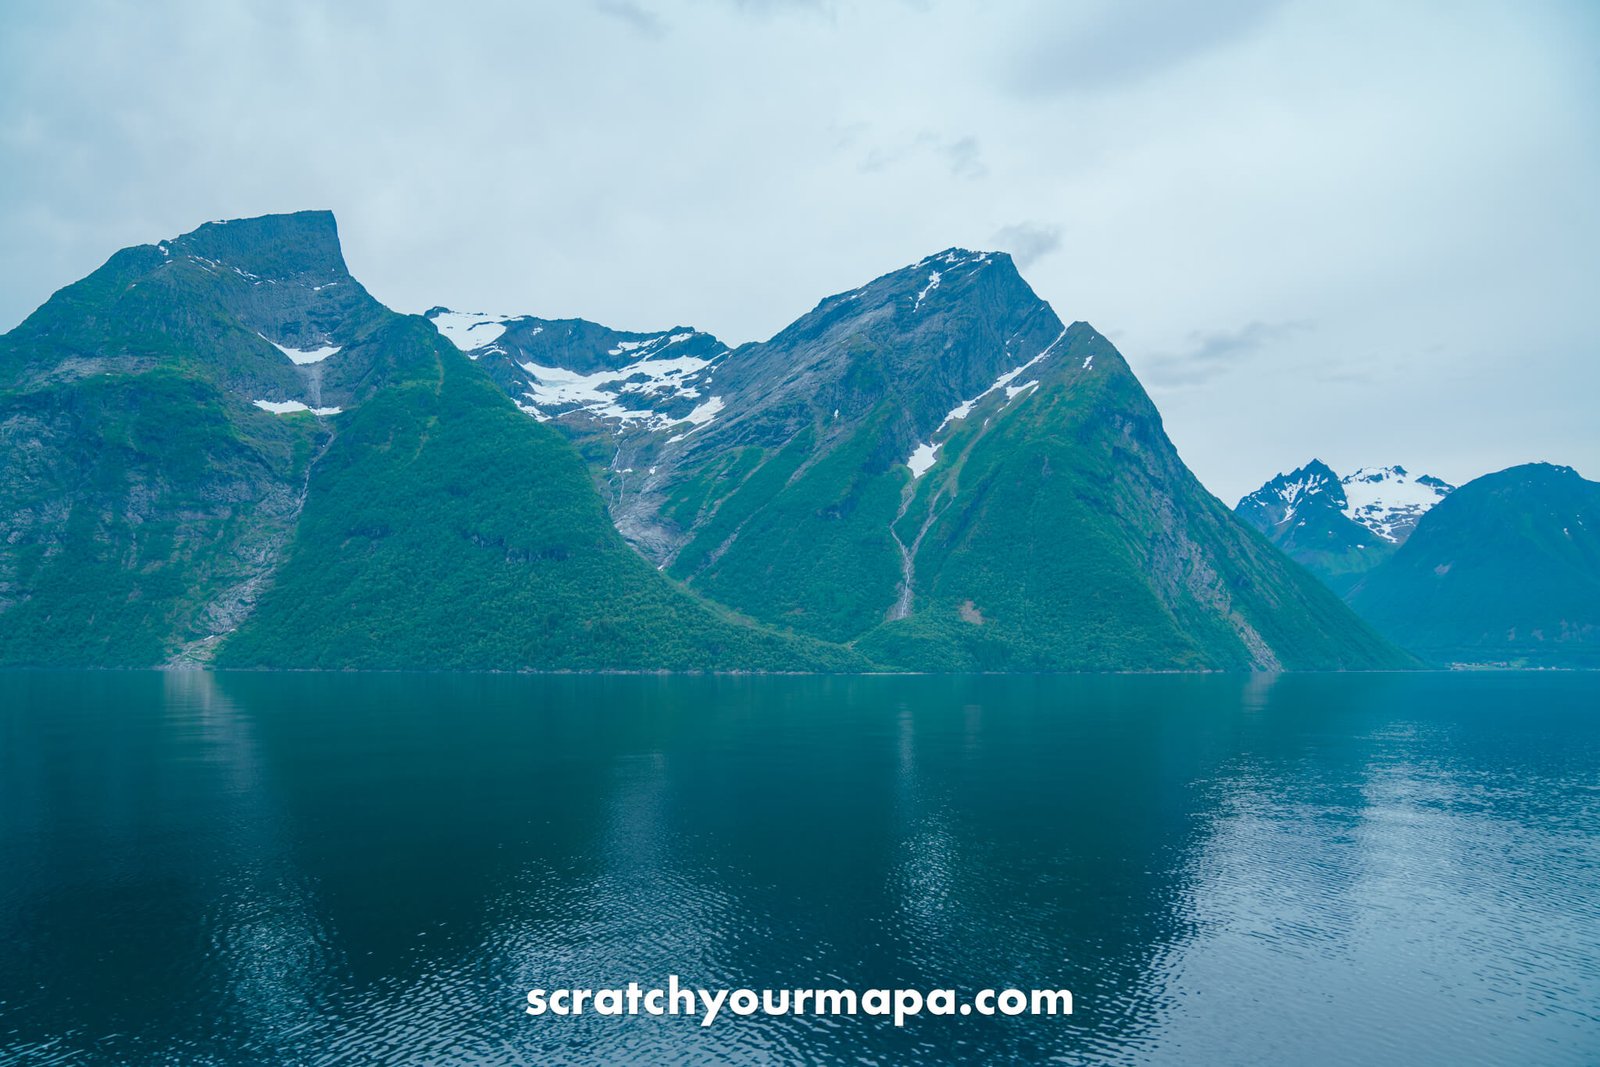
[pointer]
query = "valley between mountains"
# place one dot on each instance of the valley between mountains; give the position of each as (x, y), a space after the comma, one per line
(221, 450)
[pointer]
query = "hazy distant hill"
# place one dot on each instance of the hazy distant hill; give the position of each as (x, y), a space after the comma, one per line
(1340, 528)
(1506, 570)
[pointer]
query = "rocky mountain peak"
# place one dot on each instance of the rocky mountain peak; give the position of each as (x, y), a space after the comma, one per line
(298, 246)
(1282, 499)
(933, 283)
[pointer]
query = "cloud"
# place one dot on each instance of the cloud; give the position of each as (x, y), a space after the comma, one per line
(1027, 241)
(772, 7)
(641, 20)
(962, 156)
(1211, 354)
(1084, 48)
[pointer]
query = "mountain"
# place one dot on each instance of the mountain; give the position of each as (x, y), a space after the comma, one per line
(932, 469)
(145, 487)
(1506, 570)
(221, 448)
(1340, 528)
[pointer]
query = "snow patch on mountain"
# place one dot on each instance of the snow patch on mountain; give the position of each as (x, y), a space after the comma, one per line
(1389, 501)
(285, 407)
(704, 413)
(302, 356)
(955, 257)
(949, 260)
(1293, 492)
(925, 454)
(922, 458)
(470, 331)
(604, 393)
(650, 345)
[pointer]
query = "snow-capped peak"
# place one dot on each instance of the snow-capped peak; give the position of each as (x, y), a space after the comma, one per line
(1389, 500)
(1285, 494)
(952, 257)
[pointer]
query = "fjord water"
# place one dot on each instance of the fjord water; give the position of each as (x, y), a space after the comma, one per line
(254, 868)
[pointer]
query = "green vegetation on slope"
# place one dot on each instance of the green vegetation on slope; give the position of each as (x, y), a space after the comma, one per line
(140, 508)
(1063, 533)
(150, 514)
(445, 529)
(803, 542)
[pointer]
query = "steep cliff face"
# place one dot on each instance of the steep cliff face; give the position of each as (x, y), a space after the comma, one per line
(145, 495)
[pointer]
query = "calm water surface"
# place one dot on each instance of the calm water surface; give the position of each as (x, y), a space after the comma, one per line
(242, 869)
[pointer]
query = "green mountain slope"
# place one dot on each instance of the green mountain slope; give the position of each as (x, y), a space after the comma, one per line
(144, 498)
(139, 513)
(229, 414)
(446, 529)
(1058, 529)
(1506, 570)
(931, 468)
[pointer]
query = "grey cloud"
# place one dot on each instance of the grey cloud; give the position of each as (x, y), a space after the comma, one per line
(1212, 353)
(638, 18)
(1083, 48)
(962, 156)
(1027, 241)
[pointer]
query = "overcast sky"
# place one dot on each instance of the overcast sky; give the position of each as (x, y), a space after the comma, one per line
(1364, 232)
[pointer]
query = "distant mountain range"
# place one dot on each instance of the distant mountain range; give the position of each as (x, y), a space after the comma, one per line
(220, 449)
(1340, 528)
(1504, 571)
